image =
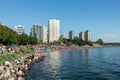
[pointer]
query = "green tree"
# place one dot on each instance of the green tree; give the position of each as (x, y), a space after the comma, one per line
(60, 40)
(23, 39)
(33, 40)
(81, 42)
(76, 40)
(99, 41)
(66, 41)
(89, 43)
(7, 35)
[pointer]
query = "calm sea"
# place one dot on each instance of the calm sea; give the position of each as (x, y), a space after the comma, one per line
(87, 64)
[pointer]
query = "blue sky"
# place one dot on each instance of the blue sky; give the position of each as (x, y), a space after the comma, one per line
(101, 17)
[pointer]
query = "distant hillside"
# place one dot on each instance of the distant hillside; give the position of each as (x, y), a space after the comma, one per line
(112, 44)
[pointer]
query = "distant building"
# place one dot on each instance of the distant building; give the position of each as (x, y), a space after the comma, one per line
(34, 31)
(19, 29)
(31, 33)
(71, 35)
(82, 35)
(47, 37)
(87, 35)
(40, 32)
(54, 30)
(64, 36)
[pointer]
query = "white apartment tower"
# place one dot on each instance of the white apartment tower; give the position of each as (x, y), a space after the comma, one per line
(87, 35)
(40, 32)
(82, 35)
(54, 30)
(19, 29)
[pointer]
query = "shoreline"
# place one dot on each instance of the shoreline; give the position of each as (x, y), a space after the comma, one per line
(18, 69)
(77, 48)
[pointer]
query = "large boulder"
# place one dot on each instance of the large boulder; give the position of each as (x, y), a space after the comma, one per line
(9, 64)
(1, 69)
(20, 73)
(20, 78)
(11, 78)
(7, 73)
(1, 72)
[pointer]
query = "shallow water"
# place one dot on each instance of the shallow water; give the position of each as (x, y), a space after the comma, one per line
(88, 64)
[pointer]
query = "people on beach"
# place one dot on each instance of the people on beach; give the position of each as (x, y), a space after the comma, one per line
(9, 50)
(2, 50)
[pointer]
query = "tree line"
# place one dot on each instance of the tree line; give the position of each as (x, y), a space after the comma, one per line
(78, 41)
(9, 36)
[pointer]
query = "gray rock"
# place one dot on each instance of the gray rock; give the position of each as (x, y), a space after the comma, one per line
(20, 73)
(9, 64)
(1, 69)
(11, 78)
(1, 76)
(7, 73)
(20, 78)
(12, 71)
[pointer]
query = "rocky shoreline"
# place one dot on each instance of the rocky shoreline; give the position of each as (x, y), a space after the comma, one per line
(17, 70)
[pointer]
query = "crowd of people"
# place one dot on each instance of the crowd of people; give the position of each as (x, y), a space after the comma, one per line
(9, 49)
(37, 48)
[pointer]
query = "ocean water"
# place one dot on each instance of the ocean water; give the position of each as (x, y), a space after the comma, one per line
(87, 64)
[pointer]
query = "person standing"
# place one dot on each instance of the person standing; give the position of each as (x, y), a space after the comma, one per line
(2, 50)
(9, 50)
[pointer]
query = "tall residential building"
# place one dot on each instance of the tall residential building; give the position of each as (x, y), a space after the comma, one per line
(54, 30)
(87, 35)
(35, 30)
(19, 29)
(31, 33)
(40, 32)
(82, 35)
(71, 35)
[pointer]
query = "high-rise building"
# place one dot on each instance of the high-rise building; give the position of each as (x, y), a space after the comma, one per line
(35, 30)
(82, 35)
(31, 33)
(71, 35)
(54, 30)
(40, 32)
(19, 29)
(87, 35)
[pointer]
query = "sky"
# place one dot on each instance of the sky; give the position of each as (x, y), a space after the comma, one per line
(101, 17)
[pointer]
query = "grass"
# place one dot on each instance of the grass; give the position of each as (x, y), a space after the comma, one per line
(15, 56)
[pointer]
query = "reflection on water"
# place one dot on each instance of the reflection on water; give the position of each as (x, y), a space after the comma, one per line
(55, 59)
(86, 64)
